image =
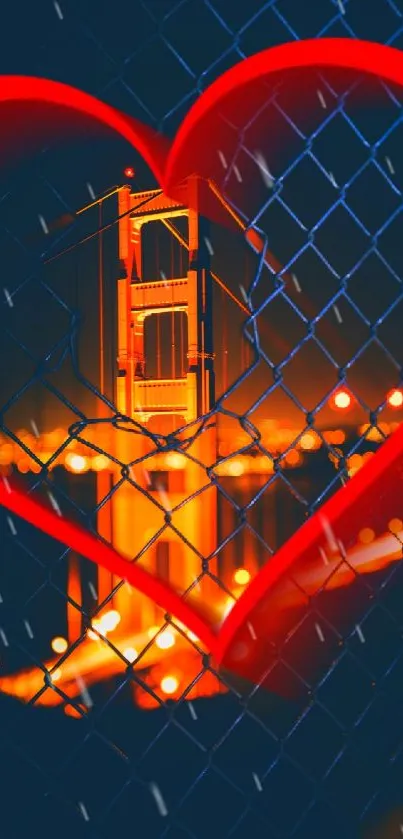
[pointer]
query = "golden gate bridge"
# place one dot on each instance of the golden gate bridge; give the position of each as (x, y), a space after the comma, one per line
(162, 509)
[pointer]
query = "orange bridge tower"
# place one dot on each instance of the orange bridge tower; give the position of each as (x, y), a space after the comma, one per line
(165, 498)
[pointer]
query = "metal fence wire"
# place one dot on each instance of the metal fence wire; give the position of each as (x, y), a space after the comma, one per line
(90, 757)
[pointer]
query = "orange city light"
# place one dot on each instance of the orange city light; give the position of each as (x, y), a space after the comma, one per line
(241, 576)
(59, 645)
(395, 398)
(129, 172)
(165, 640)
(342, 400)
(130, 654)
(169, 684)
(77, 463)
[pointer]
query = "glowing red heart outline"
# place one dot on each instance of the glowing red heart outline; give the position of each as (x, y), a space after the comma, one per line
(166, 162)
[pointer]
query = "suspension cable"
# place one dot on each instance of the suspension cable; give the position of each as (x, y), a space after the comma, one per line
(171, 227)
(98, 200)
(99, 230)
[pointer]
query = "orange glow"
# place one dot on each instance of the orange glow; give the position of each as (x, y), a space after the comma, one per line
(56, 675)
(342, 400)
(71, 711)
(130, 654)
(293, 458)
(110, 620)
(395, 398)
(6, 454)
(59, 645)
(99, 463)
(395, 526)
(235, 468)
(309, 441)
(366, 535)
(241, 576)
(129, 172)
(175, 460)
(104, 624)
(354, 463)
(335, 438)
(165, 640)
(169, 685)
(77, 463)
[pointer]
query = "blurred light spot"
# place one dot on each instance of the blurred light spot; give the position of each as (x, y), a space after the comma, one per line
(395, 398)
(241, 576)
(130, 654)
(169, 684)
(366, 535)
(59, 644)
(395, 526)
(165, 640)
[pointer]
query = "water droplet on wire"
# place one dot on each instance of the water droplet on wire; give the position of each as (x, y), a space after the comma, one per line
(321, 99)
(238, 174)
(341, 7)
(223, 160)
(3, 637)
(192, 711)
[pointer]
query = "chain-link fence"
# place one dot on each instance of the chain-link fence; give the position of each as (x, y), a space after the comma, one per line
(142, 748)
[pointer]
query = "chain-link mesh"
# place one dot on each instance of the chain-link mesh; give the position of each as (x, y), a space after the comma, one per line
(116, 753)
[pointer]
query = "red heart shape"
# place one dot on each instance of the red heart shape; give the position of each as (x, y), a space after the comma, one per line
(267, 611)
